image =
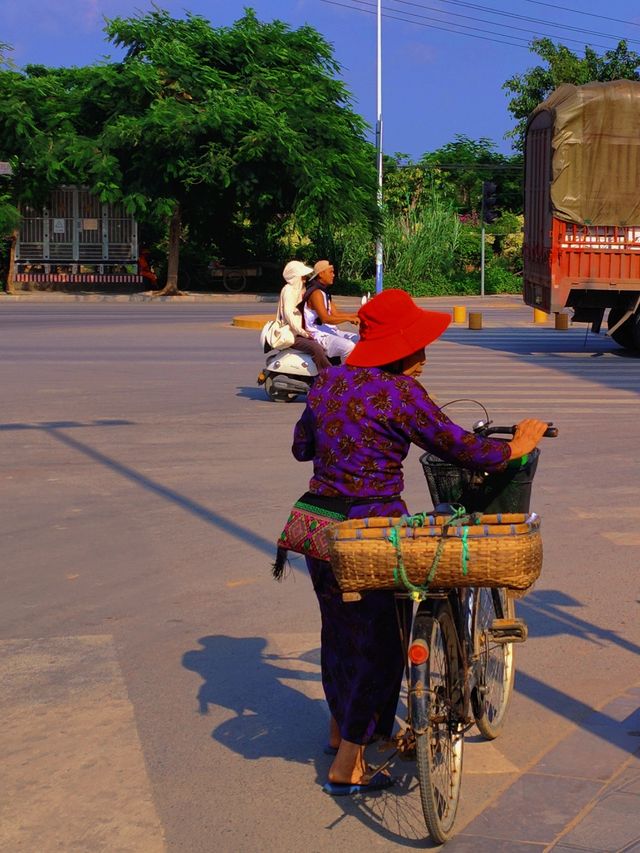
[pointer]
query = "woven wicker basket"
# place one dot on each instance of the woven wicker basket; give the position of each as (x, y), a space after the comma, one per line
(498, 550)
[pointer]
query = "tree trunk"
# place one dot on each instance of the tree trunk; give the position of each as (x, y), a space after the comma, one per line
(11, 274)
(175, 231)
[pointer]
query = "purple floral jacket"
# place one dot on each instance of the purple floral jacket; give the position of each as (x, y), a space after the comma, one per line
(358, 426)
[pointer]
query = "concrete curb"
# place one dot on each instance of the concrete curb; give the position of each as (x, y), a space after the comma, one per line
(500, 301)
(251, 321)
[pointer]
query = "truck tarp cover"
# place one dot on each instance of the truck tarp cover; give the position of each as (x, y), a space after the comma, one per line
(596, 152)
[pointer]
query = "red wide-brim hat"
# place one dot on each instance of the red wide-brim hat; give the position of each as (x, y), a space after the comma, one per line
(392, 327)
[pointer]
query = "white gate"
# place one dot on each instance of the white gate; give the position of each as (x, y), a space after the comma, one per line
(76, 235)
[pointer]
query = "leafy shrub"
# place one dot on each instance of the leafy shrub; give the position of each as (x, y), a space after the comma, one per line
(499, 279)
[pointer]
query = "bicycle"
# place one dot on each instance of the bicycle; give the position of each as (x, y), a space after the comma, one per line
(459, 645)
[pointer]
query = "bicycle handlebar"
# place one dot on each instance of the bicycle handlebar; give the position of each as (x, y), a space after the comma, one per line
(551, 432)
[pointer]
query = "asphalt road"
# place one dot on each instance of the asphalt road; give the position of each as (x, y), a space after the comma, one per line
(161, 692)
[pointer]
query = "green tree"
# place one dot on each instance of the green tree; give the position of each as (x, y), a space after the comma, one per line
(219, 130)
(461, 166)
(562, 65)
(9, 214)
(455, 172)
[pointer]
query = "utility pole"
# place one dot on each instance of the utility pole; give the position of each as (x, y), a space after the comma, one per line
(482, 261)
(379, 270)
(488, 213)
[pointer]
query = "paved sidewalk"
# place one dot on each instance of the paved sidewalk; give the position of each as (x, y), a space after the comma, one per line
(473, 303)
(583, 795)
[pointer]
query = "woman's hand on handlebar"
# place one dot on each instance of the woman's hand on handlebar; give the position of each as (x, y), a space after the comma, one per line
(526, 436)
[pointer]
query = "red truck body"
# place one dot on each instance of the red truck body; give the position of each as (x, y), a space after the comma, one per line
(583, 266)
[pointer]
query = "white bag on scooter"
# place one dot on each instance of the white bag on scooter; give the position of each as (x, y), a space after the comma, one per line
(277, 335)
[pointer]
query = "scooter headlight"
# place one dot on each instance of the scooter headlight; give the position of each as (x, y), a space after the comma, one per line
(305, 365)
(277, 365)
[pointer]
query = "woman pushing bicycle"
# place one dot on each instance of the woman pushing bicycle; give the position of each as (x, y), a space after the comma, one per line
(358, 425)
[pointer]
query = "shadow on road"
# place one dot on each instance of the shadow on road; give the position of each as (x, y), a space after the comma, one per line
(48, 426)
(564, 352)
(273, 720)
(251, 393)
(250, 537)
(237, 674)
(542, 609)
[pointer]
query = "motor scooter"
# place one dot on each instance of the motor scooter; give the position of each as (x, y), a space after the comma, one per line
(287, 374)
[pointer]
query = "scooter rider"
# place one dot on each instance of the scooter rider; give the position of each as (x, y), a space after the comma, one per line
(292, 294)
(321, 316)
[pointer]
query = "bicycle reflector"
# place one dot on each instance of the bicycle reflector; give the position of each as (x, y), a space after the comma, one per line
(418, 652)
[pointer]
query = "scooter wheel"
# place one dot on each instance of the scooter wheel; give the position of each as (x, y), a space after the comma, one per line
(277, 396)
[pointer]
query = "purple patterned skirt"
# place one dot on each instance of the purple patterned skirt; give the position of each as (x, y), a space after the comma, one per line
(361, 654)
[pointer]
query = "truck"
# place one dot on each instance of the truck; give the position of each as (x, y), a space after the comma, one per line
(581, 248)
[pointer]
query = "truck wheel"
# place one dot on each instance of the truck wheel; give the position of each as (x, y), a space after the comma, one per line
(636, 330)
(624, 335)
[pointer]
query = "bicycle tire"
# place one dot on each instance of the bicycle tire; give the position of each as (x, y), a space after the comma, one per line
(495, 664)
(435, 693)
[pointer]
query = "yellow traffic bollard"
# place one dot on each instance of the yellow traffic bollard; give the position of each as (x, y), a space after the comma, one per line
(475, 320)
(562, 320)
(459, 314)
(539, 316)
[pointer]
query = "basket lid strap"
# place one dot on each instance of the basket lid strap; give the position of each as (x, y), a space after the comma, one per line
(419, 592)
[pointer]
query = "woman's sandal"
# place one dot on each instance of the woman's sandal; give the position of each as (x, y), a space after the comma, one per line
(378, 782)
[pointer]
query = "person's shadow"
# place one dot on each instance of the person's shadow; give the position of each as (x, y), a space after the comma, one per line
(274, 720)
(271, 719)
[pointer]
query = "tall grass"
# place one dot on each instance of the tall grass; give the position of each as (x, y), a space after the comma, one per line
(427, 252)
(421, 246)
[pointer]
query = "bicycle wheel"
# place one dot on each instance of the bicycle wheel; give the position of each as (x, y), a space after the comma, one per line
(495, 663)
(234, 281)
(435, 696)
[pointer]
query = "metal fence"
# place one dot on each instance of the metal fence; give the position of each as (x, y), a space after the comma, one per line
(76, 233)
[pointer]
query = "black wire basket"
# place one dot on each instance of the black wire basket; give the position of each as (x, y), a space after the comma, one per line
(477, 491)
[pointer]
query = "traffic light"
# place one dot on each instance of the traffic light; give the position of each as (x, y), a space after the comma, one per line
(489, 212)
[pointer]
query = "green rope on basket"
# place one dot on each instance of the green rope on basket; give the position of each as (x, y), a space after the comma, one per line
(419, 592)
(465, 550)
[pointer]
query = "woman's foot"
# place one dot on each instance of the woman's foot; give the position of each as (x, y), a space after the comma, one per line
(334, 736)
(350, 774)
(349, 766)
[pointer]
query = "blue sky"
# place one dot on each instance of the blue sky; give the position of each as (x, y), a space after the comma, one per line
(435, 83)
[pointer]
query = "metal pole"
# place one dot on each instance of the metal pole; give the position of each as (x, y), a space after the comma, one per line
(379, 271)
(482, 243)
(482, 263)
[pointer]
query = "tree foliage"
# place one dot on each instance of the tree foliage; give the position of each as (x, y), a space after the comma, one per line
(454, 172)
(9, 213)
(213, 128)
(561, 65)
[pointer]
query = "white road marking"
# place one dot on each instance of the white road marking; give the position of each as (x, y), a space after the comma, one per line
(73, 773)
